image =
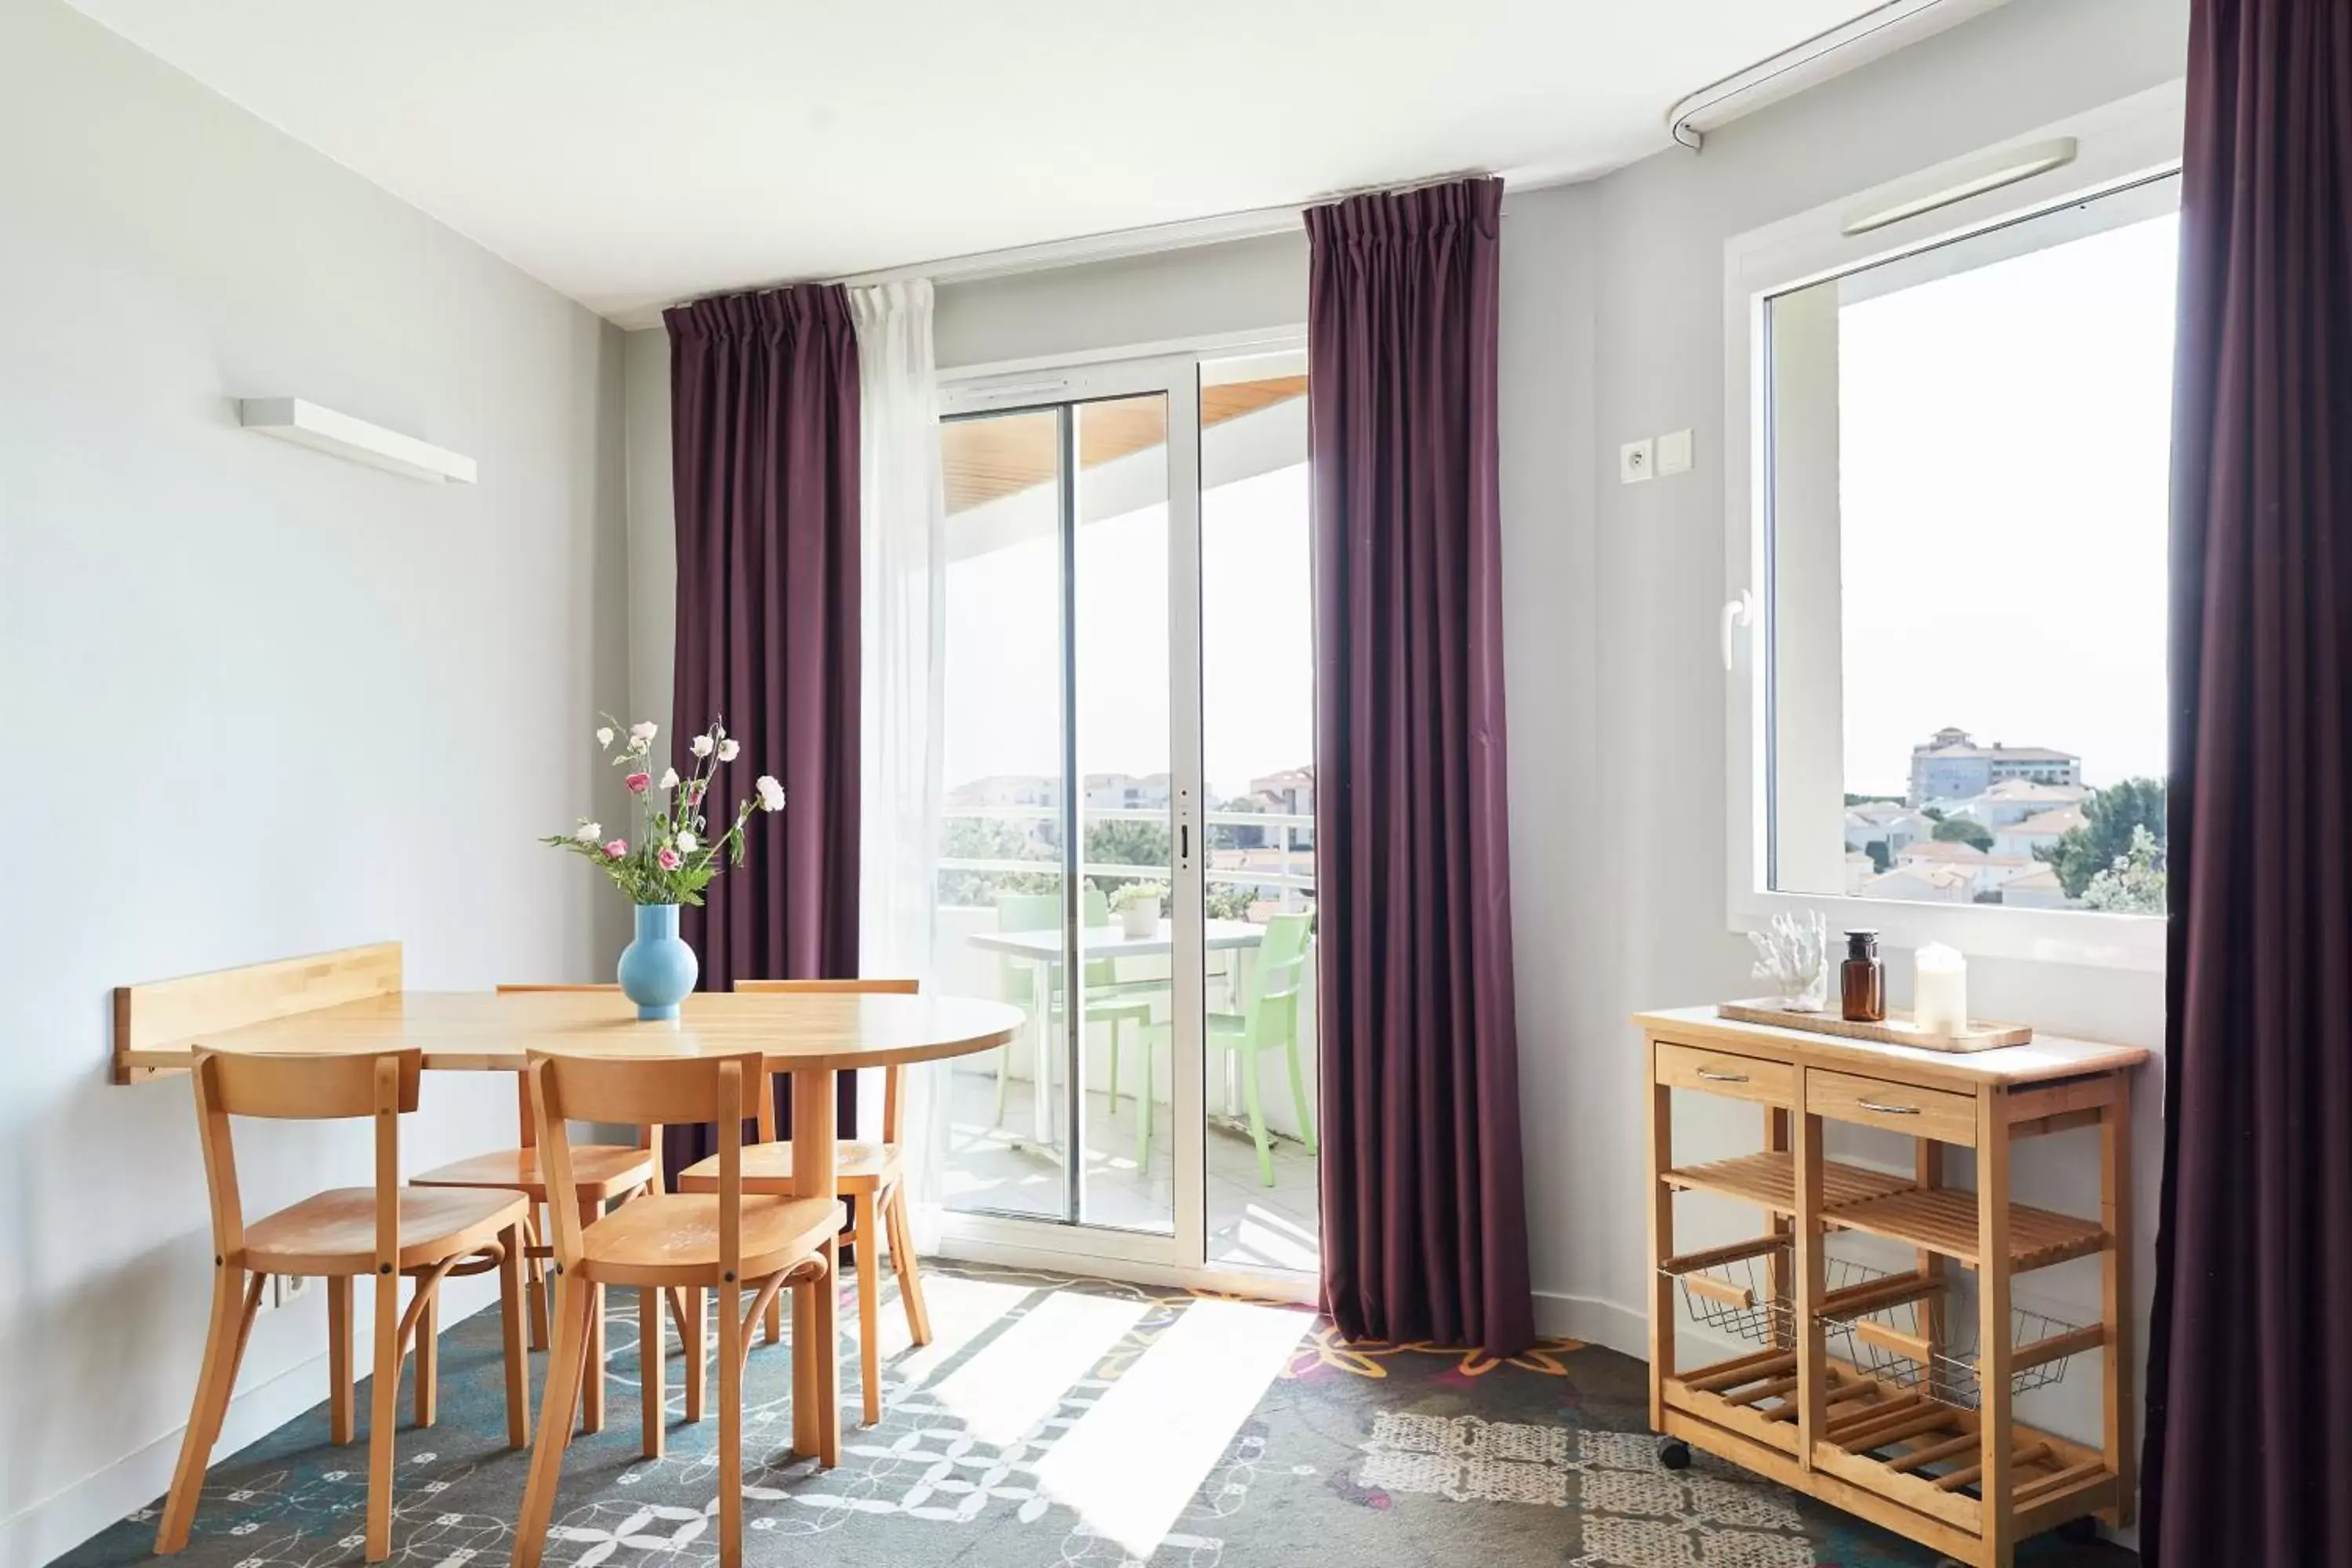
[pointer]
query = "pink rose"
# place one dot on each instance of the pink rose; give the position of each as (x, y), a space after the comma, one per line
(638, 783)
(666, 859)
(616, 847)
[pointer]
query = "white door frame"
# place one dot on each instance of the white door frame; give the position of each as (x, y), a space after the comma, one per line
(1180, 1258)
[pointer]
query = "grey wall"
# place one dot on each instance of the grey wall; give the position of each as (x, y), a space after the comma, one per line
(254, 701)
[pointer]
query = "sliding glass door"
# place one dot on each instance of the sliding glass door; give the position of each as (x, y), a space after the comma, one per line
(1093, 871)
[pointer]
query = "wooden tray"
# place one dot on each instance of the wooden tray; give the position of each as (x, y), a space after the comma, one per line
(1981, 1034)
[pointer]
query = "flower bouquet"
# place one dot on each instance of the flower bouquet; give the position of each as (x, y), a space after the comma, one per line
(673, 858)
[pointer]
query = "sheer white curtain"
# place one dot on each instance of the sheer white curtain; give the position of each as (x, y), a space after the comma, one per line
(903, 528)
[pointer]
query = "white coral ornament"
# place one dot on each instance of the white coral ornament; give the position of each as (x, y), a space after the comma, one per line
(1794, 955)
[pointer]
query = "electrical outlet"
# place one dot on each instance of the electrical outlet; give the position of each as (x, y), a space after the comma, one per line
(1673, 453)
(286, 1289)
(1634, 461)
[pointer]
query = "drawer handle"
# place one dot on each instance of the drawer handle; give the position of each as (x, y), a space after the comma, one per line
(1883, 1110)
(1713, 1077)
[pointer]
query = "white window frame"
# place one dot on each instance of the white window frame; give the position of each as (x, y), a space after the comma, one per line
(2123, 144)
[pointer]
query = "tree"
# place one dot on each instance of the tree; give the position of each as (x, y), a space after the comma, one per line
(2108, 819)
(2135, 883)
(1122, 842)
(995, 838)
(1964, 830)
(1881, 857)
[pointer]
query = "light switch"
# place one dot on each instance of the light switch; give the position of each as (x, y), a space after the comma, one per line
(1634, 462)
(1674, 452)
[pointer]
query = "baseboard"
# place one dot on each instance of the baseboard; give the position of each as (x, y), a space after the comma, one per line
(1594, 1322)
(47, 1529)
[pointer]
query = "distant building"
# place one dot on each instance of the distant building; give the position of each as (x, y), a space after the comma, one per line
(1987, 872)
(1884, 822)
(1127, 792)
(1005, 789)
(2037, 832)
(1288, 793)
(2036, 890)
(2014, 800)
(1952, 767)
(1925, 882)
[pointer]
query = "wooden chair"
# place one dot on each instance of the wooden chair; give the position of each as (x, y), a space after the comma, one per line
(872, 1177)
(605, 1171)
(383, 1232)
(720, 1240)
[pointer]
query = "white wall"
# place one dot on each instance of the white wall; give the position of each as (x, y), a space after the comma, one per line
(254, 701)
(1617, 696)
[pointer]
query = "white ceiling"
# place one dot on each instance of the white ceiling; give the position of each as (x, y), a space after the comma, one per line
(631, 153)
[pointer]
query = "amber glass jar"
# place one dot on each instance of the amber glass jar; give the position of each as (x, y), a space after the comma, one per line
(1862, 979)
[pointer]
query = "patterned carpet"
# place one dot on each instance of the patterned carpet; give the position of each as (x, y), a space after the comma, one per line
(1068, 1421)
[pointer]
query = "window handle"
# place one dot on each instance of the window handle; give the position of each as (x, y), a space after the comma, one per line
(1739, 612)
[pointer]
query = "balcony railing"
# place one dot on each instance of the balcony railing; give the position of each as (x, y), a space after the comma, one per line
(1291, 874)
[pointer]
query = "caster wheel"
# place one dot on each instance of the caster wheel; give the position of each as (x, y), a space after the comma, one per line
(2083, 1532)
(1674, 1454)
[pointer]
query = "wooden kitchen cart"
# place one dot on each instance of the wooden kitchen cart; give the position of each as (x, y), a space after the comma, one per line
(1870, 1388)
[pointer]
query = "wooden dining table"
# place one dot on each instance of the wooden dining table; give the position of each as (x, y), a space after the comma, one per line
(353, 1001)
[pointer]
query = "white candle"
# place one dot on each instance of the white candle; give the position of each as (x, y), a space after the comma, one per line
(1939, 990)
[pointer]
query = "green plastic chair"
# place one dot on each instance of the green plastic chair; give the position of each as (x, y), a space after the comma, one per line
(1269, 1021)
(1109, 1000)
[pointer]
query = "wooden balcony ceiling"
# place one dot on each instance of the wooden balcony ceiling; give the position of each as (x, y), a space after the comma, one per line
(986, 459)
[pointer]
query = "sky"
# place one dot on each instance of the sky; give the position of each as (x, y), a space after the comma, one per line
(1257, 675)
(2004, 450)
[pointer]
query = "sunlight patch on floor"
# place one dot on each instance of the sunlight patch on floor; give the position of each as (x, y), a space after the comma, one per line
(1138, 1457)
(962, 1310)
(1019, 1378)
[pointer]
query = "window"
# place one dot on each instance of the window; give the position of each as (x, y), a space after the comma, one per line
(1956, 508)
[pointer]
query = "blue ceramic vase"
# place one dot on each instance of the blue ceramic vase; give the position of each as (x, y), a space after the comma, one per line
(657, 969)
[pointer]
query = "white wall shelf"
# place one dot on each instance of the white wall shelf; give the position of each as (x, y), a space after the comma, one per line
(307, 424)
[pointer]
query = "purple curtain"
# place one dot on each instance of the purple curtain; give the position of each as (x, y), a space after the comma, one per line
(763, 435)
(2250, 1376)
(1424, 1225)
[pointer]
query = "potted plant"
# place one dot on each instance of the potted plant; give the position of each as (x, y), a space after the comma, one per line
(1137, 904)
(674, 857)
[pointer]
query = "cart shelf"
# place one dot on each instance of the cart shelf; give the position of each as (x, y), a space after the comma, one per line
(1769, 1181)
(1944, 1219)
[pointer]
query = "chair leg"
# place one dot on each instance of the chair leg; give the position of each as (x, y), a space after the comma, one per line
(340, 1422)
(592, 1392)
(1117, 1040)
(510, 1332)
(867, 1208)
(902, 1260)
(425, 1402)
(1254, 1099)
(687, 1304)
(233, 1302)
(1299, 1100)
(383, 1414)
(651, 1381)
(535, 1271)
(730, 1425)
(574, 1303)
(1145, 1113)
(1004, 1077)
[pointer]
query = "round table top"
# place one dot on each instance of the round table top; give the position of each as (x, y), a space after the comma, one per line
(484, 1031)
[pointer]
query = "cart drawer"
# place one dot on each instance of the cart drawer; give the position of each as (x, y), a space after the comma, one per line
(1936, 1113)
(1717, 1072)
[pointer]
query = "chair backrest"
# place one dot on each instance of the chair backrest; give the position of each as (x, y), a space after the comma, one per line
(893, 1082)
(1280, 974)
(1043, 911)
(648, 1136)
(381, 1085)
(718, 1090)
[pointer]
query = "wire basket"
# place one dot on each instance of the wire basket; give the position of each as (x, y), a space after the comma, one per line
(1736, 1298)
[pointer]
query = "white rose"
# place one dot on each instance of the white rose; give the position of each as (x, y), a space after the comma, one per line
(701, 745)
(771, 793)
(589, 833)
(604, 735)
(686, 844)
(728, 750)
(645, 732)
(669, 778)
